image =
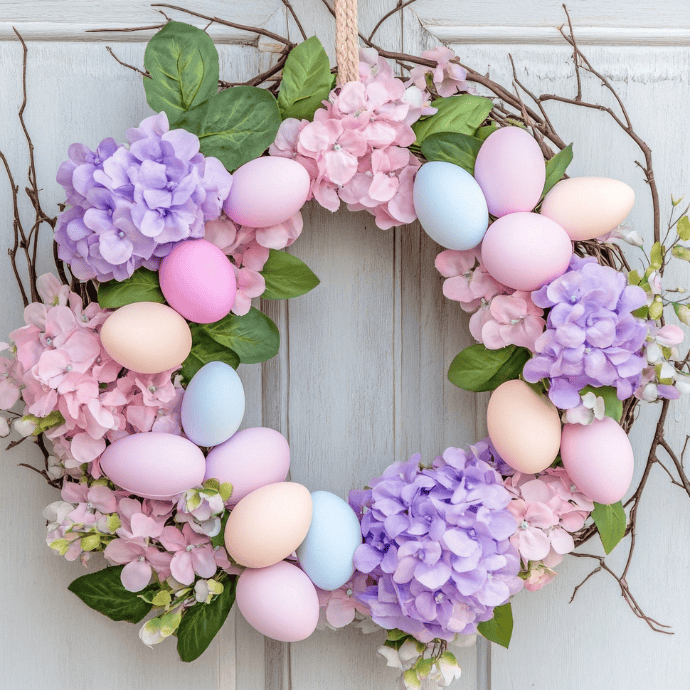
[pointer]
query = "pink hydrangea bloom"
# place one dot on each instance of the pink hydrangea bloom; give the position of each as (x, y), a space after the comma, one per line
(448, 77)
(192, 553)
(511, 320)
(338, 607)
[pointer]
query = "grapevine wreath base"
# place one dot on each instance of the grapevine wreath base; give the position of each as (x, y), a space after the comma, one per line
(124, 374)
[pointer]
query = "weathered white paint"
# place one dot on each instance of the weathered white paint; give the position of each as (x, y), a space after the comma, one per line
(360, 379)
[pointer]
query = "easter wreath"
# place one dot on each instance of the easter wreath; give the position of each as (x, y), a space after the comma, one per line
(132, 354)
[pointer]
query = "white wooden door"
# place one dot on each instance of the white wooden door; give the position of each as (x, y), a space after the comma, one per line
(360, 380)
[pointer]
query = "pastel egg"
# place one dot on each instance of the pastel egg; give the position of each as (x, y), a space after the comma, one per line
(213, 405)
(523, 426)
(248, 460)
(328, 550)
(269, 524)
(147, 337)
(279, 601)
(450, 205)
(154, 465)
(588, 207)
(525, 250)
(599, 459)
(267, 191)
(198, 281)
(510, 170)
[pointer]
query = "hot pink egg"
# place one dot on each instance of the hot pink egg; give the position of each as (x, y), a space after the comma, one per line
(267, 191)
(525, 250)
(279, 601)
(198, 281)
(599, 459)
(510, 170)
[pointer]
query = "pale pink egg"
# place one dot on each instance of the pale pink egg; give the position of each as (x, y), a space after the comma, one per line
(249, 459)
(198, 281)
(599, 459)
(524, 427)
(510, 170)
(588, 207)
(267, 191)
(525, 250)
(267, 525)
(279, 601)
(154, 465)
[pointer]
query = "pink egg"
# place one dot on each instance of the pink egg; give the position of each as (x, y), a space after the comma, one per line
(267, 191)
(198, 281)
(250, 459)
(525, 250)
(154, 465)
(510, 170)
(599, 459)
(279, 601)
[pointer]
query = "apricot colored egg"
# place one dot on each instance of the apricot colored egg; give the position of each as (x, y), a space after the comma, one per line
(523, 426)
(267, 191)
(249, 459)
(267, 525)
(599, 459)
(525, 250)
(147, 337)
(510, 170)
(198, 281)
(279, 601)
(588, 207)
(154, 465)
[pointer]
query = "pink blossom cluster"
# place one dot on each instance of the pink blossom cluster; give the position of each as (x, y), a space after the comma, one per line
(501, 316)
(355, 150)
(249, 249)
(660, 378)
(547, 508)
(339, 607)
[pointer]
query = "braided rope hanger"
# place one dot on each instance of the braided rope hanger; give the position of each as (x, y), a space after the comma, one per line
(346, 43)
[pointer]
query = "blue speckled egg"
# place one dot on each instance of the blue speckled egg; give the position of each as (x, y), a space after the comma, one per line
(327, 552)
(450, 205)
(213, 404)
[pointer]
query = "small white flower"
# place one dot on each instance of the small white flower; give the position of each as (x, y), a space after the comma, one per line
(24, 427)
(56, 512)
(410, 651)
(684, 314)
(150, 633)
(391, 656)
(55, 468)
(649, 392)
(447, 671)
(367, 626)
(201, 592)
(462, 641)
(654, 353)
(683, 384)
(627, 235)
(667, 371)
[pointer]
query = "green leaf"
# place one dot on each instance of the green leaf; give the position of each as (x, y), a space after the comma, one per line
(656, 256)
(478, 369)
(286, 276)
(556, 167)
(500, 628)
(235, 125)
(483, 133)
(452, 147)
(201, 622)
(254, 337)
(461, 114)
(51, 420)
(103, 591)
(641, 313)
(141, 286)
(183, 64)
(614, 406)
(306, 80)
(634, 278)
(611, 523)
(204, 350)
(681, 253)
(683, 228)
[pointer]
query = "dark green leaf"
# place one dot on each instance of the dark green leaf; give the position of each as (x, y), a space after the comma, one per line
(556, 167)
(204, 350)
(452, 147)
(219, 539)
(478, 369)
(286, 276)
(103, 592)
(183, 64)
(461, 114)
(614, 406)
(500, 628)
(611, 523)
(306, 80)
(483, 133)
(142, 286)
(254, 337)
(201, 622)
(235, 125)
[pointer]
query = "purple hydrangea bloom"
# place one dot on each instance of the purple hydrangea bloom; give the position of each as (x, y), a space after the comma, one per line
(592, 338)
(129, 206)
(437, 544)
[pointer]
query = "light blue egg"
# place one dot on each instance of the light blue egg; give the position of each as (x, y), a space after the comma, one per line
(327, 552)
(450, 205)
(213, 405)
